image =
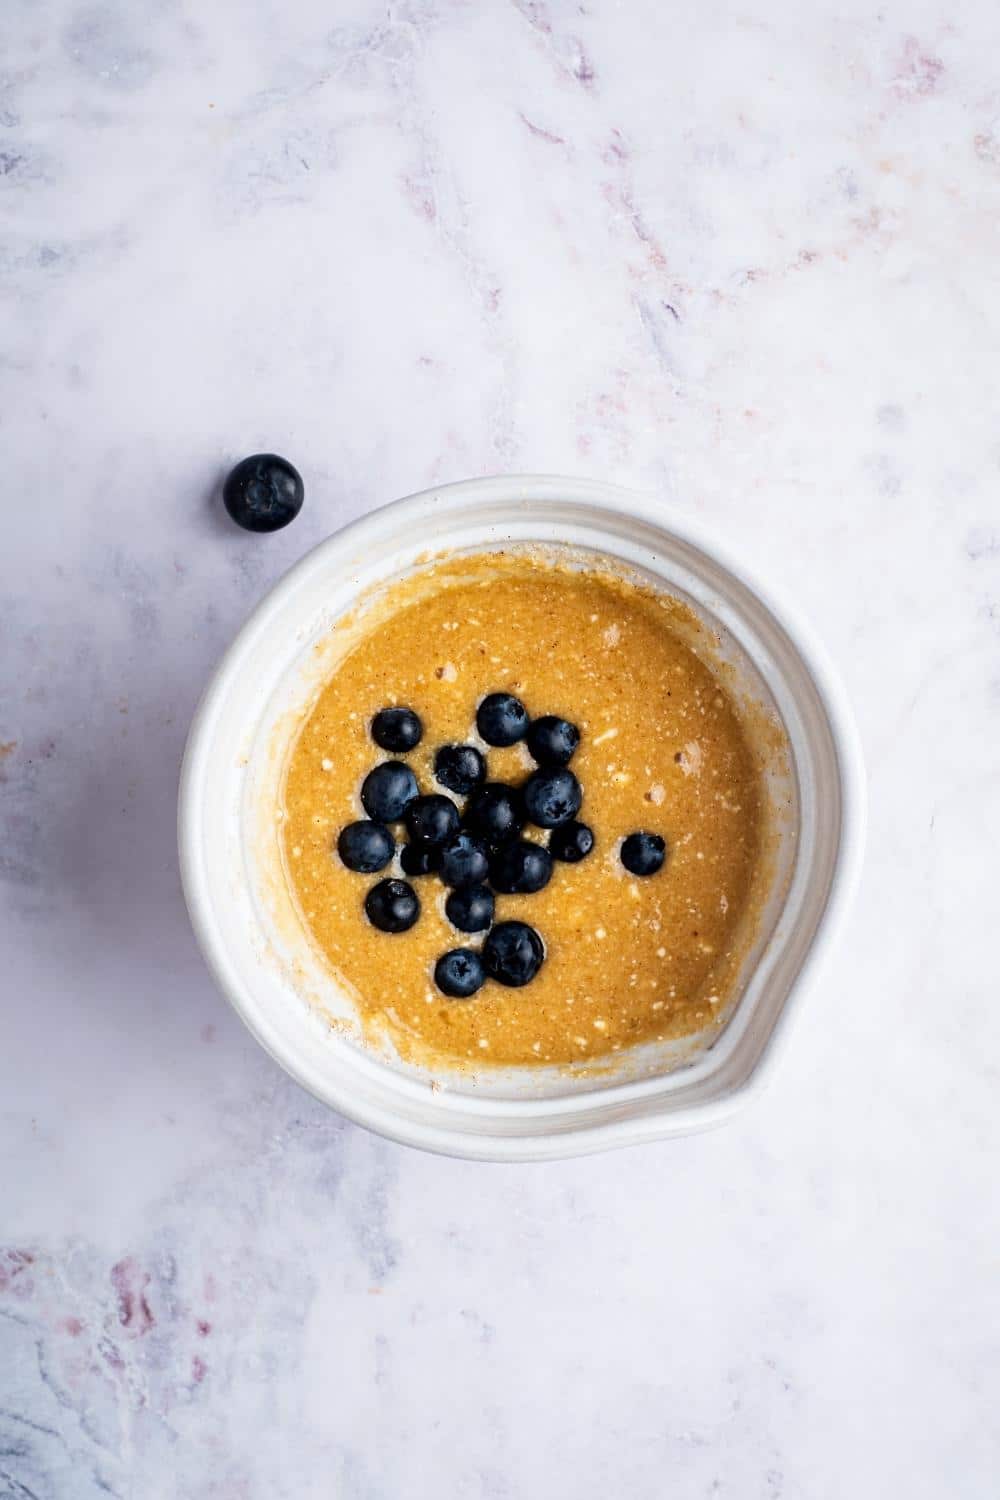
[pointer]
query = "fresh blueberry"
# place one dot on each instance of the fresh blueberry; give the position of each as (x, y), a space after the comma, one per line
(263, 492)
(397, 729)
(432, 819)
(520, 869)
(387, 791)
(464, 860)
(513, 953)
(392, 906)
(502, 719)
(571, 842)
(495, 812)
(552, 797)
(420, 859)
(459, 973)
(552, 741)
(643, 853)
(365, 847)
(460, 768)
(471, 908)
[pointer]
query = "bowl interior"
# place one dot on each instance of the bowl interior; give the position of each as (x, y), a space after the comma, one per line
(240, 902)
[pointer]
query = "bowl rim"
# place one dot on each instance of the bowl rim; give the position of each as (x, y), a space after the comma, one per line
(604, 1135)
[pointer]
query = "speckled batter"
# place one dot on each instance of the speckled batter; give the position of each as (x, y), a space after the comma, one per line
(627, 960)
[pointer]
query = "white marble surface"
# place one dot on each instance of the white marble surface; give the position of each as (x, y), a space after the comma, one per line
(742, 256)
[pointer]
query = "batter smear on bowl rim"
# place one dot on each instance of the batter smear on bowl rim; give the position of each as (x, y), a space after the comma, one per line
(522, 818)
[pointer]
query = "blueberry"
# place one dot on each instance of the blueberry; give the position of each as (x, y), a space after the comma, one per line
(263, 492)
(420, 859)
(520, 869)
(553, 741)
(502, 719)
(432, 819)
(552, 797)
(643, 853)
(459, 973)
(513, 953)
(392, 906)
(459, 768)
(387, 791)
(471, 908)
(571, 842)
(397, 729)
(464, 860)
(365, 847)
(495, 812)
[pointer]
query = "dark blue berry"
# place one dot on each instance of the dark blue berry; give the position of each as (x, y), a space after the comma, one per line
(420, 859)
(263, 492)
(365, 847)
(502, 719)
(520, 869)
(471, 908)
(553, 741)
(551, 797)
(387, 791)
(644, 853)
(459, 973)
(392, 906)
(432, 819)
(571, 842)
(513, 953)
(464, 860)
(495, 812)
(459, 768)
(397, 729)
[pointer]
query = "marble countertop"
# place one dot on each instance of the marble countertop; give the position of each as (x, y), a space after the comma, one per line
(744, 257)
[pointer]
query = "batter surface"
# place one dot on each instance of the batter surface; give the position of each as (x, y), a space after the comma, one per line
(662, 749)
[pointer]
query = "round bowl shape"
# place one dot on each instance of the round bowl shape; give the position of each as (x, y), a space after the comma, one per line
(260, 956)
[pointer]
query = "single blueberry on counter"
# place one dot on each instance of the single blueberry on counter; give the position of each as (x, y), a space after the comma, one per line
(470, 908)
(459, 973)
(643, 853)
(392, 906)
(388, 790)
(513, 954)
(552, 741)
(365, 846)
(552, 797)
(520, 869)
(432, 819)
(460, 768)
(495, 812)
(502, 719)
(397, 729)
(464, 860)
(263, 492)
(571, 842)
(420, 859)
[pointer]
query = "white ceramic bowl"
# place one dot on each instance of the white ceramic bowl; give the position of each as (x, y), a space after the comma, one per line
(265, 966)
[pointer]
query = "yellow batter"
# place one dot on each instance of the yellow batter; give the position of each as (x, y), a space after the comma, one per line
(662, 749)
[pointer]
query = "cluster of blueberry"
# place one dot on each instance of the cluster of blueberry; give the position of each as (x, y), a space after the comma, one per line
(478, 851)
